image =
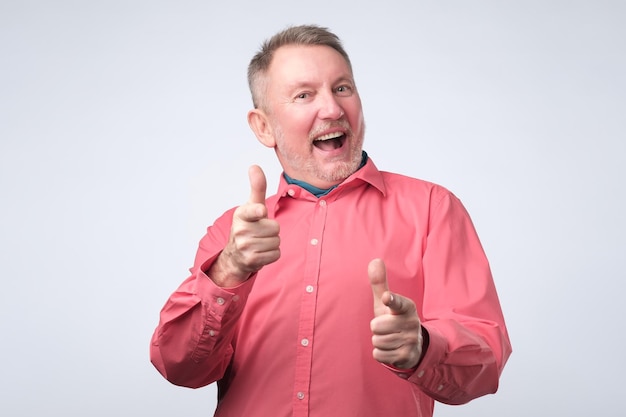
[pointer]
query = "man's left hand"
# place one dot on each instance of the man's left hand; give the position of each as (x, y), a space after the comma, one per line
(396, 327)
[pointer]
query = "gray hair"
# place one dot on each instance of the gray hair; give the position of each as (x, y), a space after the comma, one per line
(294, 35)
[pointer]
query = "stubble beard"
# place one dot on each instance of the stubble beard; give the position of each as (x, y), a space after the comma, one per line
(340, 169)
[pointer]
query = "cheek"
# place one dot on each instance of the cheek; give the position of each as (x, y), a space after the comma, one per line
(297, 124)
(355, 113)
(356, 122)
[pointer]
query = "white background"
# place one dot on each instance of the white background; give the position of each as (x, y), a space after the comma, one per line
(123, 135)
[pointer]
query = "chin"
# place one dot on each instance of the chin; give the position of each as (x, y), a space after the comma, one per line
(339, 172)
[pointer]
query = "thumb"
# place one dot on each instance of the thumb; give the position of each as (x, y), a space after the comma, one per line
(258, 184)
(378, 281)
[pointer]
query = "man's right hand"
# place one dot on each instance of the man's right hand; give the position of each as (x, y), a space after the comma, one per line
(254, 241)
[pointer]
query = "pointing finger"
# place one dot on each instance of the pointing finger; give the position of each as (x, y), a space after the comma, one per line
(399, 304)
(385, 301)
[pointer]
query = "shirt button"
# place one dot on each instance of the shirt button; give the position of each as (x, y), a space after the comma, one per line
(220, 301)
(304, 342)
(291, 192)
(235, 298)
(314, 242)
(323, 203)
(309, 288)
(440, 387)
(300, 395)
(211, 333)
(420, 374)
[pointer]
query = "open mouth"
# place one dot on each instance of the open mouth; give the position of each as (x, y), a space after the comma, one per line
(330, 141)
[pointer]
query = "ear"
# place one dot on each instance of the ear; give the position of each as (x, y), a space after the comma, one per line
(259, 123)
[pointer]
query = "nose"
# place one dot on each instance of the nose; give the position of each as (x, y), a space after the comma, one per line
(330, 109)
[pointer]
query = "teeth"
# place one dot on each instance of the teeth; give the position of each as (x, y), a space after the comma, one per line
(329, 136)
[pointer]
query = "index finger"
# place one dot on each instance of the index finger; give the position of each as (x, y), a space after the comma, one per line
(399, 304)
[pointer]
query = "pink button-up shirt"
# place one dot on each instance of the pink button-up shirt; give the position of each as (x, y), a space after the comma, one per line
(294, 340)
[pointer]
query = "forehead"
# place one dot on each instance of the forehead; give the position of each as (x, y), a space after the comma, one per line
(293, 62)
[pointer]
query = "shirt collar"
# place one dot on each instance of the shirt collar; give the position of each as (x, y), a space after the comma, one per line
(321, 192)
(368, 174)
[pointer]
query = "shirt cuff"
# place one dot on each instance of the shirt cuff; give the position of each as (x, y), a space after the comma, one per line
(402, 373)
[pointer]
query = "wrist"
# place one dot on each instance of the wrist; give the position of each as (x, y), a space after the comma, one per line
(224, 275)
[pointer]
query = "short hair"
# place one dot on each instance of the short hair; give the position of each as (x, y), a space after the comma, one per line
(293, 35)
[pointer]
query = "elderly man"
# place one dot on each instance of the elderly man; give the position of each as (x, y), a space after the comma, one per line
(278, 307)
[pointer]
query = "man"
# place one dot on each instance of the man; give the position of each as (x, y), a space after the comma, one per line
(278, 308)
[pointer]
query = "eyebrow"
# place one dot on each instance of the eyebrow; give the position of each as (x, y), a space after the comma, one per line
(304, 84)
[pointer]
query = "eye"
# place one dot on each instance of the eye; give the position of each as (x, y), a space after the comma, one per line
(344, 90)
(302, 96)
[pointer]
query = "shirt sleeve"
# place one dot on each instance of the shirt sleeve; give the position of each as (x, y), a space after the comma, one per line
(468, 343)
(191, 345)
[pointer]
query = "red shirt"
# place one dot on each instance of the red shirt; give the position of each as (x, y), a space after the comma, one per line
(294, 340)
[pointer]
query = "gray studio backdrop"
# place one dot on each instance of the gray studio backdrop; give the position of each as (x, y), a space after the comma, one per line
(123, 135)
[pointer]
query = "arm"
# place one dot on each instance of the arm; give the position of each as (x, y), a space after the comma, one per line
(191, 346)
(458, 348)
(192, 343)
(468, 340)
